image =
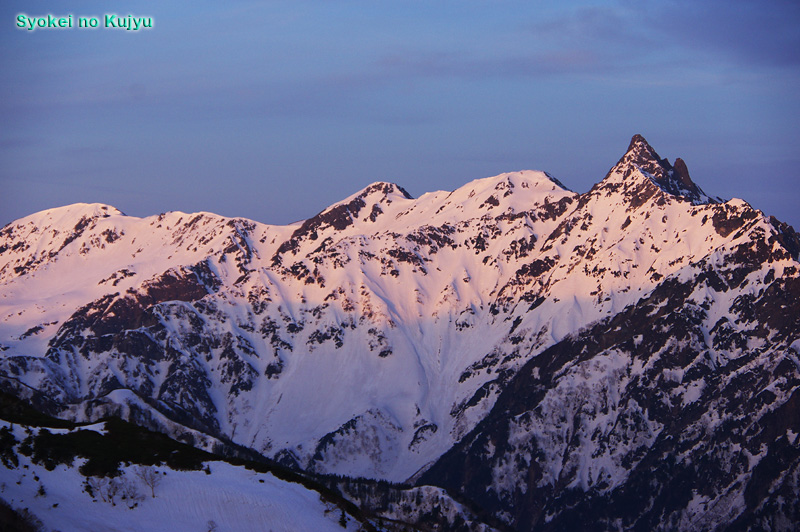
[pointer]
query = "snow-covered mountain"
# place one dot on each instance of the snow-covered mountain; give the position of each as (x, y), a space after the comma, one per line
(370, 339)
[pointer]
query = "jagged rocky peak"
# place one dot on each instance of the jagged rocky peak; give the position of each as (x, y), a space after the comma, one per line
(681, 173)
(642, 155)
(641, 162)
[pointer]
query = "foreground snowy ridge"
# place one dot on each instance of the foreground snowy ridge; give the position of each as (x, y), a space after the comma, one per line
(375, 336)
(77, 478)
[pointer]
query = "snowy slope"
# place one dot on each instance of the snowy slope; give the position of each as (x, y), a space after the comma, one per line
(225, 496)
(366, 340)
(84, 478)
(233, 498)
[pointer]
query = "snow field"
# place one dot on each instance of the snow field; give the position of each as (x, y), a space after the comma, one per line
(234, 498)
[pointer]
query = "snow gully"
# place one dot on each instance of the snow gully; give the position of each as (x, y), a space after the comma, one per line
(129, 23)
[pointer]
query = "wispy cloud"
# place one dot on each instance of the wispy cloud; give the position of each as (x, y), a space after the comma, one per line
(649, 39)
(480, 66)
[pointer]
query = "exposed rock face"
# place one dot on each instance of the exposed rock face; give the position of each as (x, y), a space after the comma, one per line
(675, 180)
(664, 417)
(627, 356)
(681, 173)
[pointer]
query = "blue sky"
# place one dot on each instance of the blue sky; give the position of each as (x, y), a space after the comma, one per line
(274, 110)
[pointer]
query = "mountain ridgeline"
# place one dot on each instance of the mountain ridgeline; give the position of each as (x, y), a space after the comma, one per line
(625, 358)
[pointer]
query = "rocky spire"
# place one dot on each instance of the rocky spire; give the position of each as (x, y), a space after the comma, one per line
(672, 179)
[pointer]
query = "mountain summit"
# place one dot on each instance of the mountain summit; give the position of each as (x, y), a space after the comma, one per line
(537, 351)
(641, 160)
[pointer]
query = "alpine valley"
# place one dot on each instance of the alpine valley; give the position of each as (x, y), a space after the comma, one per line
(512, 354)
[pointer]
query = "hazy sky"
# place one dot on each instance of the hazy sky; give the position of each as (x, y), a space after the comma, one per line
(273, 110)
